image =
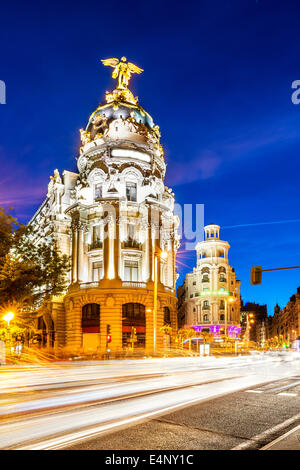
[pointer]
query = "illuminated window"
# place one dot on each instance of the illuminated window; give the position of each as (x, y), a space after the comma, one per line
(97, 271)
(131, 192)
(97, 191)
(131, 230)
(131, 271)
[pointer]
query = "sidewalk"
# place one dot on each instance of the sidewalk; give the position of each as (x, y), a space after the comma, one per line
(288, 441)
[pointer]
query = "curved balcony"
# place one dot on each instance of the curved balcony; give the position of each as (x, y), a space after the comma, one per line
(96, 245)
(131, 244)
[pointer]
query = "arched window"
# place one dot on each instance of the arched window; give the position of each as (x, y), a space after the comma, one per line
(90, 320)
(133, 325)
(205, 317)
(133, 311)
(167, 316)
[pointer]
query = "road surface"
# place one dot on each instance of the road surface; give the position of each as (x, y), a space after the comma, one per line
(178, 403)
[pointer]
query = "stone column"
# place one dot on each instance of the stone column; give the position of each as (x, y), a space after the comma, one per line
(80, 253)
(74, 252)
(106, 251)
(117, 244)
(150, 250)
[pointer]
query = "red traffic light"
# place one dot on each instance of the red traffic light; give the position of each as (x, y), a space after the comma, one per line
(108, 338)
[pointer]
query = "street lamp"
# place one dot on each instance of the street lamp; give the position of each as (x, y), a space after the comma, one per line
(8, 317)
(162, 255)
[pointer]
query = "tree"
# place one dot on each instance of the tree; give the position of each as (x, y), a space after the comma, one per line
(166, 331)
(186, 333)
(29, 272)
(8, 226)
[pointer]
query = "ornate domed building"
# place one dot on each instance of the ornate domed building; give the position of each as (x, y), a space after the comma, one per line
(115, 218)
(209, 299)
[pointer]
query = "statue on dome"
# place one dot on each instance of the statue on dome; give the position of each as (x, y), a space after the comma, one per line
(122, 70)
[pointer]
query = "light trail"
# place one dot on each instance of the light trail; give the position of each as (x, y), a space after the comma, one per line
(96, 400)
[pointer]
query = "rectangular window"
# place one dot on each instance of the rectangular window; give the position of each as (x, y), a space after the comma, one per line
(131, 271)
(131, 192)
(97, 191)
(96, 233)
(131, 229)
(97, 271)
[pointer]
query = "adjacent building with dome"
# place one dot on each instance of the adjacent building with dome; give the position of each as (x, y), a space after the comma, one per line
(115, 218)
(209, 298)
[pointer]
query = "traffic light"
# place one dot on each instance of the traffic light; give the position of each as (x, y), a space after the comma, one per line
(255, 277)
(108, 335)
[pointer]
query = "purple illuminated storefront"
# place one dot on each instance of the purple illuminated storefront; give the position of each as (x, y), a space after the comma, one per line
(217, 330)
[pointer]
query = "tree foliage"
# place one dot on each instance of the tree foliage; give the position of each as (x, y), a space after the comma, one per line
(29, 272)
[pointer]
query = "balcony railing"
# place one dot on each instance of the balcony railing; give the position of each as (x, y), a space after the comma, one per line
(131, 244)
(141, 285)
(96, 245)
(87, 285)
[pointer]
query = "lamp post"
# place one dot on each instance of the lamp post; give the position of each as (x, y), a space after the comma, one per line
(8, 317)
(163, 255)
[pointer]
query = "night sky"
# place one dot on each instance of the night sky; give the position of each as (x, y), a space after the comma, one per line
(217, 81)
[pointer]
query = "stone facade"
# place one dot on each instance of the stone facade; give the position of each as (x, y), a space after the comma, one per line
(284, 326)
(113, 218)
(210, 295)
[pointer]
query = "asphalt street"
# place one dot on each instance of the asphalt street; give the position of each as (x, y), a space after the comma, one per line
(217, 424)
(180, 403)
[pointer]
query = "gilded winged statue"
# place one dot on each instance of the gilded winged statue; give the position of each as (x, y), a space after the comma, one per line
(122, 70)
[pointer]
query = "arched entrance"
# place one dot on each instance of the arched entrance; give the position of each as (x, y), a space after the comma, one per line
(90, 325)
(133, 325)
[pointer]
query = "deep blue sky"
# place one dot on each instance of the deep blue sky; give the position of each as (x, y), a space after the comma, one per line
(217, 81)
